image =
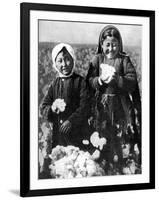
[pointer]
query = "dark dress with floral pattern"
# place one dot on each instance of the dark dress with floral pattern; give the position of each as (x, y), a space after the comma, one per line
(113, 105)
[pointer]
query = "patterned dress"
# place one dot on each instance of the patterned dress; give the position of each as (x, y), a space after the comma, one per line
(113, 105)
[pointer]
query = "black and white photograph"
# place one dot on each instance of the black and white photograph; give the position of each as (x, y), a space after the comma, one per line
(87, 86)
(89, 99)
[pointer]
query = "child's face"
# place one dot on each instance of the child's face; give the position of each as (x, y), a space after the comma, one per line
(110, 47)
(64, 62)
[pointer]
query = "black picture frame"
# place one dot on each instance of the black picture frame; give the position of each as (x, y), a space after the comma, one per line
(25, 9)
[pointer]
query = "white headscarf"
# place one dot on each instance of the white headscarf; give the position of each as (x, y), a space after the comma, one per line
(55, 52)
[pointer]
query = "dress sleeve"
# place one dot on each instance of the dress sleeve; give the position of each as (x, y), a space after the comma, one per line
(93, 74)
(80, 113)
(45, 107)
(127, 82)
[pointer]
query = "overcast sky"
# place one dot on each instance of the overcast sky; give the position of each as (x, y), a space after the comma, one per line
(75, 32)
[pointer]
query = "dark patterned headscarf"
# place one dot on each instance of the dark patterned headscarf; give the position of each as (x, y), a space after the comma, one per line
(111, 31)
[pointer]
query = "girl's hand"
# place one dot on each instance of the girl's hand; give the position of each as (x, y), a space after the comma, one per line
(108, 79)
(113, 80)
(66, 127)
(104, 79)
(54, 109)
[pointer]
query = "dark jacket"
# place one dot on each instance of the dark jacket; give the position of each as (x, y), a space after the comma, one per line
(74, 92)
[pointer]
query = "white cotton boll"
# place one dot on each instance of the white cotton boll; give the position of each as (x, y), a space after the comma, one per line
(73, 156)
(90, 162)
(60, 166)
(112, 69)
(102, 142)
(115, 159)
(97, 141)
(90, 171)
(76, 164)
(81, 161)
(136, 149)
(126, 150)
(87, 155)
(69, 149)
(110, 78)
(61, 105)
(96, 154)
(132, 167)
(85, 142)
(69, 166)
(81, 170)
(126, 170)
(107, 69)
(107, 72)
(91, 168)
(58, 105)
(57, 153)
(62, 108)
(94, 139)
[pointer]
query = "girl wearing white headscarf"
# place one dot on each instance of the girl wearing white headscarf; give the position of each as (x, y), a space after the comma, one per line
(56, 51)
(65, 102)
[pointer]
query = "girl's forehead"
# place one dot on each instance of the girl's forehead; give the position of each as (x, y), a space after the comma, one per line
(63, 52)
(110, 39)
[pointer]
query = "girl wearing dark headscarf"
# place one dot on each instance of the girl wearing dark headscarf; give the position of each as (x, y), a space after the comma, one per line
(113, 82)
